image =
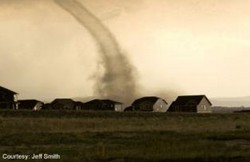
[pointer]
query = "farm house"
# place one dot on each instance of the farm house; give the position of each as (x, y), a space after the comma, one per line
(100, 104)
(193, 103)
(8, 99)
(30, 104)
(63, 104)
(150, 103)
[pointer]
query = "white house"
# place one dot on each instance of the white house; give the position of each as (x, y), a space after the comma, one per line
(150, 103)
(192, 103)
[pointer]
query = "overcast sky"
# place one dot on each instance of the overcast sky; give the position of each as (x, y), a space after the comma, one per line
(177, 46)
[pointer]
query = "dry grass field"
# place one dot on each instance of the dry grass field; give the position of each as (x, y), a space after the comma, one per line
(128, 136)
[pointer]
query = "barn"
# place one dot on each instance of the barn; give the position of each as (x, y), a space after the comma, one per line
(31, 104)
(103, 104)
(191, 103)
(8, 99)
(150, 103)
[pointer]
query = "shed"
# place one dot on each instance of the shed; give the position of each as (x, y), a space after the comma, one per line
(150, 103)
(191, 103)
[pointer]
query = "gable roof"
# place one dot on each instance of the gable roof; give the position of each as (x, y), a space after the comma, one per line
(151, 99)
(7, 90)
(103, 101)
(63, 101)
(111, 101)
(101, 104)
(191, 99)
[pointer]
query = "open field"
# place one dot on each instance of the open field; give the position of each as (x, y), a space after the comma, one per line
(119, 137)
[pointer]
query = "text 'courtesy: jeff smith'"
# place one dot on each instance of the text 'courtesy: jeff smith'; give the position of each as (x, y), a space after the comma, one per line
(40, 156)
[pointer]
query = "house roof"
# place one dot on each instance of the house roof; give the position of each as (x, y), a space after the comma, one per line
(7, 90)
(191, 99)
(103, 101)
(111, 101)
(28, 104)
(63, 101)
(151, 99)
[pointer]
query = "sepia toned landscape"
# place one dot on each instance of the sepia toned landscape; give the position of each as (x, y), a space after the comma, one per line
(125, 80)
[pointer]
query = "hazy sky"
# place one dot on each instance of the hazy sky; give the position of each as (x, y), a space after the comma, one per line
(177, 46)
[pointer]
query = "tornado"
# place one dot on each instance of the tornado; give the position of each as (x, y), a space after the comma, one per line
(118, 80)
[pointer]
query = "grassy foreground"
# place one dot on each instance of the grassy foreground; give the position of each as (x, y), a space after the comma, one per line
(124, 137)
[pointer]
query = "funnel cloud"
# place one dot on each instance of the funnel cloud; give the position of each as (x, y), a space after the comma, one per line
(118, 80)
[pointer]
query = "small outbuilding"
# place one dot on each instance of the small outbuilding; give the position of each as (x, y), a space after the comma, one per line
(103, 104)
(30, 104)
(192, 103)
(150, 103)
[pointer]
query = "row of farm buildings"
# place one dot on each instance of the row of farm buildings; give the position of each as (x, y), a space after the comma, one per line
(192, 103)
